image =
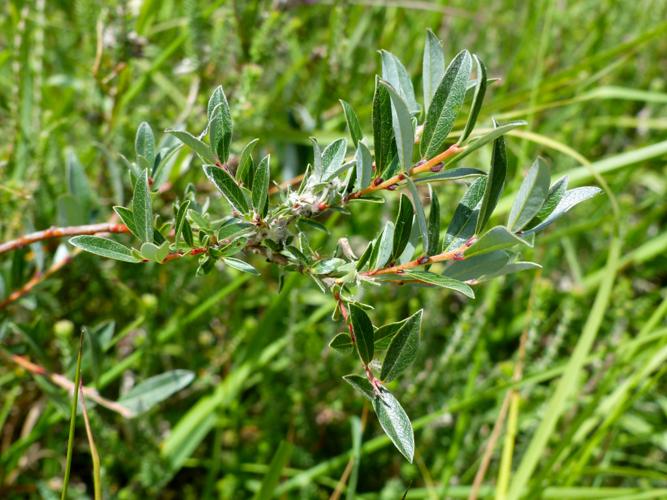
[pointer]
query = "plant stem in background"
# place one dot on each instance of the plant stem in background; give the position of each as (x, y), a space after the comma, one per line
(72, 418)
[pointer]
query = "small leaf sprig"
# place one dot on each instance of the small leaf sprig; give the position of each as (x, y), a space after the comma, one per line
(412, 147)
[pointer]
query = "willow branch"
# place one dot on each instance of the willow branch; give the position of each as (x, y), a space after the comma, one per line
(59, 232)
(68, 385)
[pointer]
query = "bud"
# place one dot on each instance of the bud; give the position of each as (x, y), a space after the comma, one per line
(63, 328)
(149, 301)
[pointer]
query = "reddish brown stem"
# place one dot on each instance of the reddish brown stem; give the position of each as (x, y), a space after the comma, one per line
(65, 383)
(456, 254)
(59, 232)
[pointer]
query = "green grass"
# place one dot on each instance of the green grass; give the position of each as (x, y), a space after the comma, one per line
(588, 76)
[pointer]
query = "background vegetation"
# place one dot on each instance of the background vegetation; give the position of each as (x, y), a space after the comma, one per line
(585, 419)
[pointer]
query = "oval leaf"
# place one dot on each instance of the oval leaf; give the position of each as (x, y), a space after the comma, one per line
(145, 395)
(228, 187)
(395, 73)
(530, 198)
(447, 102)
(104, 247)
(402, 227)
(441, 281)
(383, 132)
(363, 332)
(402, 350)
(260, 185)
(219, 124)
(404, 132)
(433, 66)
(395, 423)
(352, 122)
(477, 100)
(494, 183)
(141, 208)
(195, 144)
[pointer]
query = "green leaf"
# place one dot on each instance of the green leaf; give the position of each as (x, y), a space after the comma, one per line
(447, 102)
(219, 124)
(403, 227)
(383, 132)
(272, 476)
(77, 182)
(498, 238)
(342, 342)
(144, 144)
(465, 216)
(478, 266)
(384, 247)
(483, 140)
(419, 211)
(477, 100)
(240, 265)
(395, 423)
(433, 67)
(365, 257)
(364, 167)
(402, 350)
(385, 333)
(179, 219)
(228, 187)
(402, 124)
(145, 395)
(199, 147)
(352, 123)
(127, 217)
(530, 198)
(570, 199)
(362, 385)
(151, 251)
(441, 281)
(433, 225)
(104, 247)
(556, 193)
(395, 73)
(451, 175)
(246, 170)
(363, 332)
(187, 233)
(260, 185)
(494, 183)
(332, 158)
(142, 209)
(327, 266)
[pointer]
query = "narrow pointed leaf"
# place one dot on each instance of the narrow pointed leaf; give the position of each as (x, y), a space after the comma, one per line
(478, 266)
(240, 265)
(477, 100)
(180, 219)
(445, 106)
(142, 209)
(494, 183)
(402, 350)
(395, 73)
(451, 175)
(383, 132)
(433, 67)
(362, 385)
(440, 281)
(364, 163)
(570, 199)
(395, 423)
(363, 331)
(104, 247)
(384, 247)
(404, 132)
(260, 185)
(498, 238)
(332, 158)
(433, 225)
(246, 170)
(342, 342)
(402, 227)
(127, 217)
(465, 216)
(385, 334)
(420, 215)
(485, 139)
(144, 143)
(531, 196)
(228, 187)
(272, 477)
(154, 390)
(352, 122)
(219, 124)
(199, 147)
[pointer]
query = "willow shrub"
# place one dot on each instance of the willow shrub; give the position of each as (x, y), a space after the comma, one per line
(413, 147)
